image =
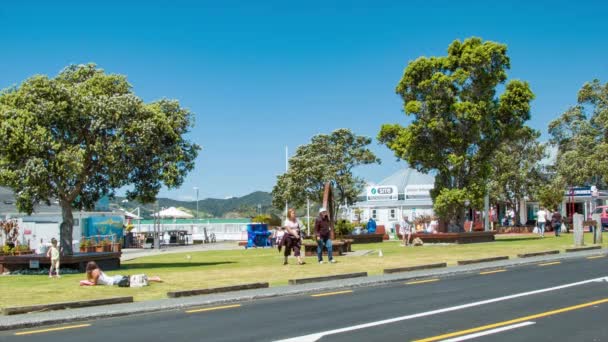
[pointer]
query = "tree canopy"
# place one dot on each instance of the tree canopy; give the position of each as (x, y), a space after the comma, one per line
(458, 120)
(327, 158)
(581, 137)
(516, 169)
(79, 136)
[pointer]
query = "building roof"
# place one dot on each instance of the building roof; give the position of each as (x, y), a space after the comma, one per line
(9, 207)
(408, 176)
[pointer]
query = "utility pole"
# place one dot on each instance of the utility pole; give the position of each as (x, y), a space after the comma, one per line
(486, 208)
(196, 188)
(286, 170)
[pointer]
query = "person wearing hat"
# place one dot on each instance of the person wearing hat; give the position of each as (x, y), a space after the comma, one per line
(322, 233)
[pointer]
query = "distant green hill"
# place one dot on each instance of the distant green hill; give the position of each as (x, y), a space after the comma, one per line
(235, 207)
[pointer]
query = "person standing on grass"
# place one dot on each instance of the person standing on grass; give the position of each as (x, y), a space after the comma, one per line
(293, 239)
(405, 229)
(323, 235)
(53, 254)
(541, 221)
(556, 222)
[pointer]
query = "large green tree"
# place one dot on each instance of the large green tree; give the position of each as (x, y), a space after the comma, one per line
(516, 169)
(458, 120)
(581, 137)
(79, 136)
(327, 158)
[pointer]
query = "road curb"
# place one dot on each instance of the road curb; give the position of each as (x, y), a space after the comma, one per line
(414, 268)
(527, 255)
(326, 278)
(478, 261)
(212, 290)
(15, 310)
(579, 249)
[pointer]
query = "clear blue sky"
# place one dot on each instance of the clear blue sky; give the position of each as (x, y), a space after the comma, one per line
(268, 75)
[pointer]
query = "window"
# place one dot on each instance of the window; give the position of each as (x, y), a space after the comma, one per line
(393, 214)
(374, 214)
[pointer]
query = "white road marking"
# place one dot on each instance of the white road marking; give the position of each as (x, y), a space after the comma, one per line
(319, 335)
(488, 332)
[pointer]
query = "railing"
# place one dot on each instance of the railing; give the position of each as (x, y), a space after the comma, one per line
(222, 231)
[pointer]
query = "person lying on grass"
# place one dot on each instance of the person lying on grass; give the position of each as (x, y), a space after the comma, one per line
(95, 276)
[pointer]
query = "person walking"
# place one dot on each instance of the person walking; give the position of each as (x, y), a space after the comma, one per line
(322, 233)
(54, 253)
(541, 221)
(556, 222)
(292, 237)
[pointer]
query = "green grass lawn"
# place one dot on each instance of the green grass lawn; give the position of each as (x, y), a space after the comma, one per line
(220, 268)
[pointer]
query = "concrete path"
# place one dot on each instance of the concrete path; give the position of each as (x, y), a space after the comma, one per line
(134, 253)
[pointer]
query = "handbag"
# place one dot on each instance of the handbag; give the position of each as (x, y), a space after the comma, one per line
(125, 281)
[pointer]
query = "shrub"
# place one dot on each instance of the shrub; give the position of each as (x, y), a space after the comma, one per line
(343, 227)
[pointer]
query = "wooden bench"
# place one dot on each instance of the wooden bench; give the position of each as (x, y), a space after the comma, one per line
(339, 248)
(365, 238)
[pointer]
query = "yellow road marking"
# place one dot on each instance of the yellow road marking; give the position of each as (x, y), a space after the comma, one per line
(214, 308)
(52, 329)
(491, 272)
(595, 257)
(550, 263)
(331, 293)
(421, 281)
(513, 321)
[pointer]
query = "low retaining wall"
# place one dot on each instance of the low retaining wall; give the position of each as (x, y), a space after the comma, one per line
(106, 260)
(460, 238)
(477, 261)
(414, 268)
(65, 305)
(528, 255)
(326, 278)
(197, 292)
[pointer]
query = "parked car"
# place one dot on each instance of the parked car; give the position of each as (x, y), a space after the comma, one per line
(603, 211)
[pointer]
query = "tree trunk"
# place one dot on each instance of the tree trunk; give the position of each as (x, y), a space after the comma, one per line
(66, 227)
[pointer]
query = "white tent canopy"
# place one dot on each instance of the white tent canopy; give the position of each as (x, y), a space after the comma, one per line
(172, 212)
(132, 216)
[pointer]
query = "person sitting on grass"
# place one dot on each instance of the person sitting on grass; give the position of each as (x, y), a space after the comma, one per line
(95, 276)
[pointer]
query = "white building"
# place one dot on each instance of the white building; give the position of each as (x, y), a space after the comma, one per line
(406, 192)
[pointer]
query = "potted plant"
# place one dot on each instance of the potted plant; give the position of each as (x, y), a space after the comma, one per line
(99, 247)
(7, 250)
(116, 247)
(23, 250)
(107, 245)
(84, 245)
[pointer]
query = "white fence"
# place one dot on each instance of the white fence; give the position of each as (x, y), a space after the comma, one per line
(222, 231)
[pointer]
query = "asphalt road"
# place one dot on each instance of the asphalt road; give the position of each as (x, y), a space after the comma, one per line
(558, 301)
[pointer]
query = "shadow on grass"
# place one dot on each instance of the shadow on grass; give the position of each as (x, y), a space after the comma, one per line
(519, 239)
(172, 264)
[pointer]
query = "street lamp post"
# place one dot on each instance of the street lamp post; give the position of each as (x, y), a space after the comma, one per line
(466, 213)
(196, 188)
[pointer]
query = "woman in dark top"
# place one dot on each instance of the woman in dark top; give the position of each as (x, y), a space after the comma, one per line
(556, 222)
